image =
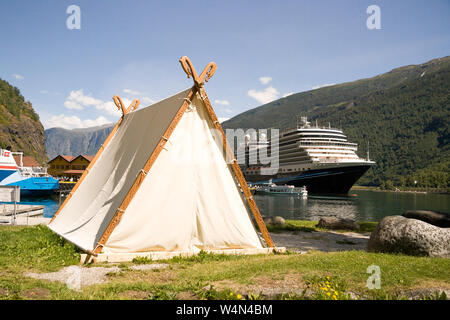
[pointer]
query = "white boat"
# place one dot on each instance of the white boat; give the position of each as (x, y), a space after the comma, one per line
(274, 189)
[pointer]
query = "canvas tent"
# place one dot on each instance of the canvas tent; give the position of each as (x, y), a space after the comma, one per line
(160, 186)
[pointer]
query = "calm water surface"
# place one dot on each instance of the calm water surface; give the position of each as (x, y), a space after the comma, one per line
(364, 206)
(50, 204)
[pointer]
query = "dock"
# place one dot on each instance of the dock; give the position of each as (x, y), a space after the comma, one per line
(23, 210)
(26, 214)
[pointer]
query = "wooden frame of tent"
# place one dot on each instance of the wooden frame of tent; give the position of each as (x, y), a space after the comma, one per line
(197, 88)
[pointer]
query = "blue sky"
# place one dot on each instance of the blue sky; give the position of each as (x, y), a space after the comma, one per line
(263, 49)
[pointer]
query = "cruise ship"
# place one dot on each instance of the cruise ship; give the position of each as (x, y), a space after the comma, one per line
(320, 158)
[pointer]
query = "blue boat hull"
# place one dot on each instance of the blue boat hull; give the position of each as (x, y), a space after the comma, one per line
(35, 186)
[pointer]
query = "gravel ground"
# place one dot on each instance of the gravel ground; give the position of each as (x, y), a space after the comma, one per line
(77, 276)
(152, 266)
(329, 241)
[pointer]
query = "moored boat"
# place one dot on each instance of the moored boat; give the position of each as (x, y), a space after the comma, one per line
(274, 189)
(33, 181)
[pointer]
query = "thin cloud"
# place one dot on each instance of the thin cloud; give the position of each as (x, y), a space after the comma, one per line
(265, 80)
(77, 100)
(222, 102)
(221, 119)
(129, 91)
(18, 76)
(147, 100)
(74, 122)
(322, 85)
(267, 95)
(287, 94)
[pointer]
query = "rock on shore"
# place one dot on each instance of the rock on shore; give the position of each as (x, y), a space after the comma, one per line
(397, 234)
(438, 219)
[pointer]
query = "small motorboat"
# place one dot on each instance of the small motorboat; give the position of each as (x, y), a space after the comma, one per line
(274, 189)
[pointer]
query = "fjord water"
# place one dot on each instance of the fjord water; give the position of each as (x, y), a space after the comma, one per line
(364, 206)
(361, 205)
(50, 204)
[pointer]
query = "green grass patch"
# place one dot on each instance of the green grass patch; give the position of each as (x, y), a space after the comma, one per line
(310, 226)
(37, 249)
(26, 248)
(294, 225)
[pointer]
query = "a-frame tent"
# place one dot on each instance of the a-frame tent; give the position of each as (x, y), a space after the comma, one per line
(161, 186)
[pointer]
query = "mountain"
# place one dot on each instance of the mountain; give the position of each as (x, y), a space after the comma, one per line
(404, 114)
(20, 127)
(76, 141)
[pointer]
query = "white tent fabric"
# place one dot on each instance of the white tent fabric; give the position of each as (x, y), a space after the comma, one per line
(188, 201)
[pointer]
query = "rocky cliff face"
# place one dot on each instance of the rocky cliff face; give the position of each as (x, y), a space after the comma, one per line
(20, 127)
(77, 141)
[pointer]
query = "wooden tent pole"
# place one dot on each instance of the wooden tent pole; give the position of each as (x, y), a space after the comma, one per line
(133, 106)
(237, 171)
(142, 174)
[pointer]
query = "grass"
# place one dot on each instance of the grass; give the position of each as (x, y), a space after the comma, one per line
(310, 226)
(211, 276)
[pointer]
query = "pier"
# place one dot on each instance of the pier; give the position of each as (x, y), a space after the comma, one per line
(26, 214)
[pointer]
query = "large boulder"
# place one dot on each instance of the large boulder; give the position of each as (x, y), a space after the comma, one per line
(438, 219)
(337, 223)
(397, 234)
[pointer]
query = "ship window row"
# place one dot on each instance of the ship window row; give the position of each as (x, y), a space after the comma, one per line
(313, 138)
(310, 151)
(300, 151)
(317, 141)
(313, 134)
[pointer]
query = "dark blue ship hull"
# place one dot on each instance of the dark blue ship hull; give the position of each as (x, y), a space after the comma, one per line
(337, 180)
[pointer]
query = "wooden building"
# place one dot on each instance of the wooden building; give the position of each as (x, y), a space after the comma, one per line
(25, 161)
(68, 167)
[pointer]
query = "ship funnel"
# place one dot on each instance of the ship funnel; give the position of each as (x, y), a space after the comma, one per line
(303, 122)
